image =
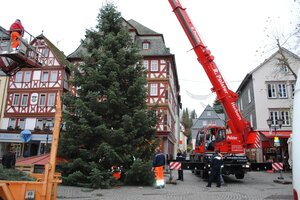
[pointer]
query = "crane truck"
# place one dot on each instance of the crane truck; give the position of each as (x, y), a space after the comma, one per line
(232, 144)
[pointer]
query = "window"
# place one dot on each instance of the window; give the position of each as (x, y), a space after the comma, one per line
(19, 77)
(24, 100)
(16, 100)
(45, 76)
(285, 117)
(146, 64)
(282, 114)
(146, 45)
(22, 123)
(51, 99)
(249, 96)
(27, 77)
(293, 89)
(271, 90)
(53, 76)
(282, 90)
(45, 52)
(284, 69)
(39, 124)
(251, 120)
(154, 65)
(153, 89)
(12, 123)
(204, 122)
(274, 117)
(42, 100)
(241, 104)
(208, 113)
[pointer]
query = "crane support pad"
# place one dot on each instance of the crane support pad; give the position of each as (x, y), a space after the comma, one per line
(261, 166)
(191, 165)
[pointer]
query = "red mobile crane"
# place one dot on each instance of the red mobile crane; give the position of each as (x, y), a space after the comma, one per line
(233, 144)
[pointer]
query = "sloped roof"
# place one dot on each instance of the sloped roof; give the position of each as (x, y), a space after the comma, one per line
(248, 77)
(39, 160)
(204, 116)
(141, 29)
(60, 56)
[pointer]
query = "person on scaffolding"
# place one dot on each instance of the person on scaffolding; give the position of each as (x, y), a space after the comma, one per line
(17, 32)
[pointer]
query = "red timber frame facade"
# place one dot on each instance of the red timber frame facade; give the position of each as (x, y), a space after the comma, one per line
(31, 100)
(163, 91)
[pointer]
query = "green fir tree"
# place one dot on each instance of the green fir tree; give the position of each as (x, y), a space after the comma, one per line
(107, 122)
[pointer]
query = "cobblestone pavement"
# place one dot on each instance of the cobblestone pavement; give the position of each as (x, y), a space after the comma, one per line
(255, 186)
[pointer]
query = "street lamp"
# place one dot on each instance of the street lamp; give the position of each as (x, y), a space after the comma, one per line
(278, 123)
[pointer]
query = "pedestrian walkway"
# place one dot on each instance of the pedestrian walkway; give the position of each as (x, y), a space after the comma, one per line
(255, 186)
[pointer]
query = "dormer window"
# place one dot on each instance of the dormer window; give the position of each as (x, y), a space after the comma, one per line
(146, 45)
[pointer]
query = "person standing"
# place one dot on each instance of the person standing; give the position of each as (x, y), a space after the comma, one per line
(158, 166)
(9, 159)
(180, 157)
(216, 164)
(17, 32)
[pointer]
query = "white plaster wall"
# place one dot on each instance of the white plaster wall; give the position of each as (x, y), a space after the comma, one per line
(269, 72)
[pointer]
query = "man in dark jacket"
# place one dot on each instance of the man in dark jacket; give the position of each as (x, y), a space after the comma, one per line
(9, 159)
(158, 166)
(216, 164)
(180, 157)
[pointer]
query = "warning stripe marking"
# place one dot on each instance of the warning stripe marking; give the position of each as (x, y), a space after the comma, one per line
(175, 165)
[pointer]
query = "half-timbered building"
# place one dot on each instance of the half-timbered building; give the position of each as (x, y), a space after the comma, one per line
(31, 97)
(162, 79)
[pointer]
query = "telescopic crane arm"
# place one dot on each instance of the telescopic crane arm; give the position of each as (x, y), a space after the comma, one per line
(236, 122)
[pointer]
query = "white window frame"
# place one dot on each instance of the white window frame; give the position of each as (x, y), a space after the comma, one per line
(146, 45)
(27, 76)
(16, 100)
(19, 76)
(45, 76)
(22, 123)
(53, 76)
(293, 89)
(42, 100)
(51, 99)
(146, 64)
(39, 124)
(249, 96)
(154, 65)
(282, 92)
(285, 116)
(271, 88)
(12, 122)
(24, 101)
(154, 89)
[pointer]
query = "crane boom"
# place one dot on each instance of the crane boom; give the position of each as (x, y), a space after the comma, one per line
(236, 122)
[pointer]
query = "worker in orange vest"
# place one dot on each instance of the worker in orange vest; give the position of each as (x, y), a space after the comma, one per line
(158, 166)
(17, 32)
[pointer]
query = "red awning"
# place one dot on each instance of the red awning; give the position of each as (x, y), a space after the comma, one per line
(281, 134)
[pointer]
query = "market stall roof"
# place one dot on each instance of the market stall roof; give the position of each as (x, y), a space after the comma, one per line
(281, 134)
(39, 160)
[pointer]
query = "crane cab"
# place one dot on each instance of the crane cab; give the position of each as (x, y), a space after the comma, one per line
(11, 60)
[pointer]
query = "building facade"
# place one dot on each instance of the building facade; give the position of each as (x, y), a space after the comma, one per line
(162, 80)
(267, 92)
(31, 99)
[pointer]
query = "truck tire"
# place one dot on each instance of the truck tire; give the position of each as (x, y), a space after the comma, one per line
(240, 175)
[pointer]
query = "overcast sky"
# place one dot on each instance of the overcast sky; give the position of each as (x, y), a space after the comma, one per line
(234, 30)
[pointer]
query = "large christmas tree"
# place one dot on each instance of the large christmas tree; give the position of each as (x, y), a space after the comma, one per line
(107, 122)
